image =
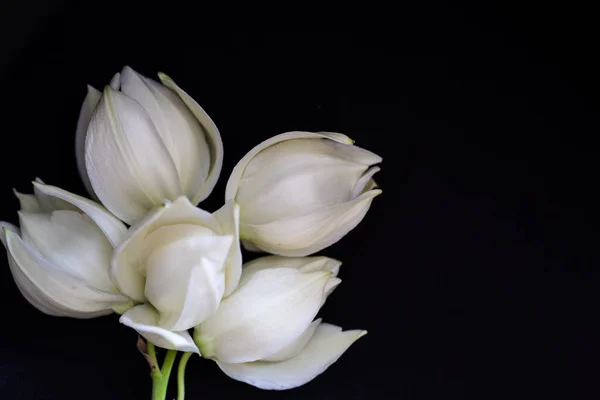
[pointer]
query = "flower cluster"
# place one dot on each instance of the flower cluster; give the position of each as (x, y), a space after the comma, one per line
(148, 154)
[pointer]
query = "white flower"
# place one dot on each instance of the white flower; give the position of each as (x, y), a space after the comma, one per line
(180, 261)
(264, 334)
(60, 257)
(141, 142)
(300, 192)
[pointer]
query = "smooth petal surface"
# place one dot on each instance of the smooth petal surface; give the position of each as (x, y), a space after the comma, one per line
(233, 182)
(130, 169)
(303, 264)
(325, 348)
(228, 217)
(295, 177)
(144, 319)
(185, 278)
(73, 243)
(296, 347)
(262, 317)
(181, 132)
(305, 235)
(366, 182)
(213, 139)
(130, 254)
(46, 284)
(113, 229)
(50, 203)
(85, 116)
(32, 293)
(28, 202)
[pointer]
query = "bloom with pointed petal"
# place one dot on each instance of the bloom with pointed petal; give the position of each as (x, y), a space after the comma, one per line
(141, 142)
(60, 256)
(264, 333)
(300, 192)
(180, 261)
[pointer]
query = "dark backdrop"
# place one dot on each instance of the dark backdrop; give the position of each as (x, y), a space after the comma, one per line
(475, 272)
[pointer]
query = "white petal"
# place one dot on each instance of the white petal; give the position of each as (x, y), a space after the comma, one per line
(130, 254)
(144, 319)
(303, 264)
(113, 229)
(50, 203)
(263, 316)
(180, 130)
(296, 347)
(7, 226)
(31, 293)
(28, 202)
(325, 348)
(249, 246)
(85, 116)
(236, 175)
(185, 278)
(73, 243)
(52, 286)
(294, 177)
(366, 182)
(129, 166)
(115, 82)
(228, 217)
(213, 138)
(302, 236)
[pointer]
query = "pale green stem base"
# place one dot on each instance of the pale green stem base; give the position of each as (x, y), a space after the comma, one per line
(160, 376)
(181, 375)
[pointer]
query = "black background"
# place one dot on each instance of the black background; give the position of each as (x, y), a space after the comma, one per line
(475, 272)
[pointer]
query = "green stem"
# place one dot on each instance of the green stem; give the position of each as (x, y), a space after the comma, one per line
(160, 378)
(181, 375)
(152, 353)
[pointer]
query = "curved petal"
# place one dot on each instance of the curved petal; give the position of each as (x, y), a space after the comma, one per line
(73, 243)
(185, 278)
(181, 132)
(213, 138)
(295, 177)
(129, 166)
(28, 202)
(296, 347)
(110, 225)
(303, 264)
(262, 317)
(4, 227)
(55, 287)
(325, 348)
(238, 171)
(129, 254)
(85, 116)
(31, 293)
(50, 203)
(228, 217)
(115, 81)
(144, 319)
(366, 182)
(302, 236)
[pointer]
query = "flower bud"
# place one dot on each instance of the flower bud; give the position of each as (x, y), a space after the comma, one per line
(300, 192)
(60, 256)
(141, 142)
(180, 261)
(262, 333)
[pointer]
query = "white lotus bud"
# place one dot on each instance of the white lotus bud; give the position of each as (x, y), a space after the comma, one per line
(262, 333)
(180, 261)
(60, 257)
(141, 142)
(300, 192)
